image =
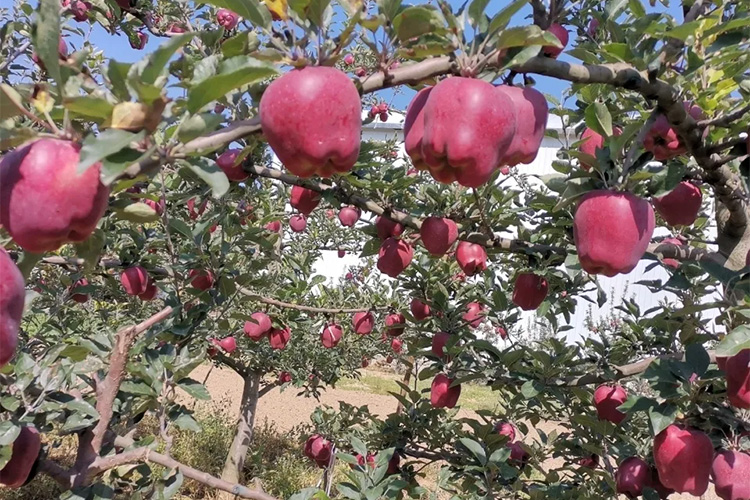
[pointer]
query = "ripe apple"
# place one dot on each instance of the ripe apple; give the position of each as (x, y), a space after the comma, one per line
(680, 206)
(24, 453)
(363, 322)
(474, 314)
(562, 34)
(201, 279)
(593, 27)
(612, 231)
(529, 291)
(387, 228)
(632, 476)
(730, 472)
(274, 226)
(348, 216)
(737, 369)
(44, 202)
(592, 141)
(229, 344)
(80, 10)
(360, 72)
(279, 338)
(285, 377)
(151, 291)
(298, 223)
(471, 258)
(258, 327)
(721, 362)
(331, 335)
(156, 206)
(304, 200)
(419, 309)
(662, 140)
(394, 256)
(12, 297)
(439, 341)
(506, 429)
(361, 461)
(468, 127)
(138, 40)
(311, 118)
(438, 234)
(414, 128)
(396, 345)
(683, 457)
(229, 164)
(518, 454)
(673, 263)
(607, 399)
(395, 324)
(134, 280)
(530, 111)
(394, 464)
(442, 395)
(591, 461)
(319, 450)
(349, 59)
(227, 19)
(502, 333)
(62, 52)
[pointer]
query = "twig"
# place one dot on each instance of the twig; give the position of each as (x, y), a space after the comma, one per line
(725, 120)
(20, 50)
(286, 305)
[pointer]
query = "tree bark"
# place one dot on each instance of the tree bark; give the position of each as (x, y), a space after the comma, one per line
(238, 451)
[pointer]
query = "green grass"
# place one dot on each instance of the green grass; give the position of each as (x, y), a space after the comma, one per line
(473, 397)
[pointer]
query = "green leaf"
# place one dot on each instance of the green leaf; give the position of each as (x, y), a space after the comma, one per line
(194, 388)
(8, 432)
(251, 10)
(180, 227)
(475, 448)
(47, 38)
(736, 341)
(115, 164)
(198, 125)
(697, 358)
(111, 141)
(89, 106)
(502, 18)
(140, 388)
(525, 36)
(661, 417)
(531, 388)
(117, 73)
(413, 22)
(211, 174)
(389, 8)
(476, 11)
(138, 212)
(636, 8)
(598, 119)
(523, 56)
(187, 422)
(11, 102)
(232, 74)
(151, 67)
(358, 446)
(240, 44)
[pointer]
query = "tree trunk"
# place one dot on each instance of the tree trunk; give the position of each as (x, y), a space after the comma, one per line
(238, 451)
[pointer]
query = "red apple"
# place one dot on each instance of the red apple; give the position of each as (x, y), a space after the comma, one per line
(591, 461)
(737, 369)
(44, 202)
(657, 485)
(194, 214)
(518, 454)
(501, 332)
(349, 59)
(151, 291)
(632, 476)
(442, 395)
(229, 344)
(279, 338)
(607, 399)
(274, 226)
(593, 27)
(319, 450)
(229, 164)
(471, 258)
(662, 140)
(673, 263)
(227, 19)
(363, 322)
(506, 429)
(80, 10)
(721, 362)
(258, 327)
(304, 200)
(12, 297)
(591, 142)
(395, 324)
(311, 118)
(394, 256)
(81, 298)
(680, 206)
(387, 228)
(348, 216)
(331, 335)
(341, 253)
(612, 231)
(474, 314)
(138, 40)
(394, 464)
(530, 111)
(419, 309)
(298, 223)
(396, 345)
(730, 472)
(62, 52)
(529, 291)
(562, 34)
(134, 280)
(285, 377)
(414, 128)
(156, 206)
(360, 72)
(201, 279)
(683, 459)
(438, 234)
(439, 341)
(23, 456)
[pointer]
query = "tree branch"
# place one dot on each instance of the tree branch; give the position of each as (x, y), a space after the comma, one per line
(725, 120)
(266, 300)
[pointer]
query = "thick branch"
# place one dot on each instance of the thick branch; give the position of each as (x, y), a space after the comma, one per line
(725, 120)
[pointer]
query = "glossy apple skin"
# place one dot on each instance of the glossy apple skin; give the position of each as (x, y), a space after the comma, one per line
(591, 142)
(394, 256)
(612, 231)
(279, 338)
(531, 113)
(607, 399)
(439, 340)
(632, 476)
(471, 258)
(414, 128)
(202, 280)
(12, 297)
(304, 200)
(662, 140)
(442, 395)
(395, 324)
(468, 127)
(298, 223)
(683, 458)
(229, 344)
(331, 335)
(529, 291)
(44, 203)
(311, 118)
(227, 162)
(680, 206)
(438, 234)
(227, 19)
(419, 309)
(562, 34)
(738, 379)
(258, 327)
(318, 449)
(151, 291)
(506, 429)
(363, 322)
(730, 472)
(348, 216)
(473, 315)
(134, 280)
(387, 228)
(24, 454)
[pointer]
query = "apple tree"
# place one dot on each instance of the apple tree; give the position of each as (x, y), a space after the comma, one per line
(161, 213)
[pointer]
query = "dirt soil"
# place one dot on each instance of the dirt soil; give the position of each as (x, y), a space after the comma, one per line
(286, 410)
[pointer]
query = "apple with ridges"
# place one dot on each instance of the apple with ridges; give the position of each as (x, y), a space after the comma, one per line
(138, 40)
(274, 226)
(319, 450)
(279, 338)
(730, 472)
(562, 34)
(506, 429)
(201, 279)
(414, 128)
(442, 395)
(737, 370)
(662, 139)
(387, 228)
(518, 454)
(681, 205)
(12, 297)
(474, 314)
(134, 280)
(683, 457)
(81, 298)
(363, 322)
(395, 324)
(151, 291)
(44, 202)
(669, 262)
(531, 112)
(607, 398)
(396, 345)
(227, 19)
(227, 162)
(306, 140)
(394, 256)
(632, 476)
(529, 291)
(438, 234)
(348, 216)
(612, 231)
(471, 258)
(439, 341)
(285, 377)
